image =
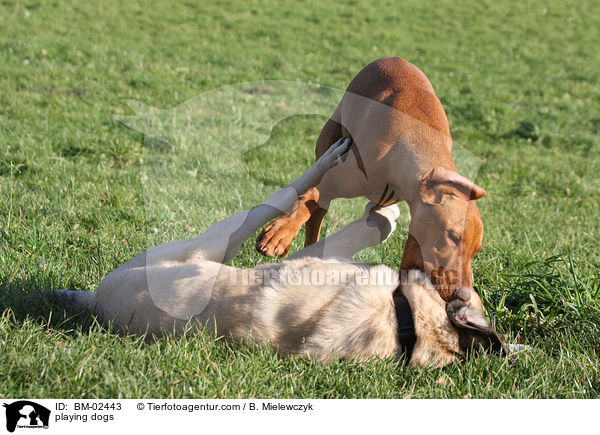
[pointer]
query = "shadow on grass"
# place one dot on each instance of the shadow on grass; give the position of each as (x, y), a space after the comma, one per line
(26, 299)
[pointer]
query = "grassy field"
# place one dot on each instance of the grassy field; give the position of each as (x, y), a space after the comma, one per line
(82, 193)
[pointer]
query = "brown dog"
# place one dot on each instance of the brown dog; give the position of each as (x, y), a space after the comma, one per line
(401, 151)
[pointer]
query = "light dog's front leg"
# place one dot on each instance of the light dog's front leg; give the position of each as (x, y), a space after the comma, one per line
(373, 228)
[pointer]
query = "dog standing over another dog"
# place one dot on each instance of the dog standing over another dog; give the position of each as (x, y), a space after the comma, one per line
(401, 152)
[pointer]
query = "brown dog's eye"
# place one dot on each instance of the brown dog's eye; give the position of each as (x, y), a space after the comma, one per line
(454, 237)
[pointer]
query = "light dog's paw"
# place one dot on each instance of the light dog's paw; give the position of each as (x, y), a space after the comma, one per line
(277, 238)
(391, 212)
(334, 153)
(382, 217)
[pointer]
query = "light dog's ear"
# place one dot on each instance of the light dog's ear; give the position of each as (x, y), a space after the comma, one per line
(439, 181)
(474, 330)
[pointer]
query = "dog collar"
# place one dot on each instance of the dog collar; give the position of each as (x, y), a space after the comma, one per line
(407, 336)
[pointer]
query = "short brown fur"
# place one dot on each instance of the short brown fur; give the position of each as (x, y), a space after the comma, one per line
(402, 151)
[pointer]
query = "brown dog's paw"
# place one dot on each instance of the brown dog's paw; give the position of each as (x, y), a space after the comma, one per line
(277, 238)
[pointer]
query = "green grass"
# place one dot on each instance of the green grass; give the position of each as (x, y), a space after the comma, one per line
(81, 193)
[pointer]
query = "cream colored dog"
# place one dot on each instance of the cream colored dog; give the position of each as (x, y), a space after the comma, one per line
(318, 307)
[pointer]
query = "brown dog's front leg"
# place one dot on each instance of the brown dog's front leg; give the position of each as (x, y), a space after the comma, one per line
(277, 238)
(313, 225)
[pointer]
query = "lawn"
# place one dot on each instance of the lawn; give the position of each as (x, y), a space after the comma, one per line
(91, 174)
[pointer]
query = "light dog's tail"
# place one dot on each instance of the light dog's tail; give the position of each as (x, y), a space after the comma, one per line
(74, 301)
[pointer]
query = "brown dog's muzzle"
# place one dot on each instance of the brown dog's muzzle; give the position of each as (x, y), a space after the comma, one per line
(449, 286)
(448, 282)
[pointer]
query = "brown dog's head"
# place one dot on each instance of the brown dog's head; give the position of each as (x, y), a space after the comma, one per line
(445, 232)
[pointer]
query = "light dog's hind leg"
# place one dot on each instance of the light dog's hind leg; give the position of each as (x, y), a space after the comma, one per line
(373, 228)
(223, 240)
(177, 281)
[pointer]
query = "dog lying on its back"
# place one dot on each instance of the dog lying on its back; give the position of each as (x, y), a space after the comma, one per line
(351, 312)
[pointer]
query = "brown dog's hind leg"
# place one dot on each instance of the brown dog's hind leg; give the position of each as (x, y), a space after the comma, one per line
(331, 132)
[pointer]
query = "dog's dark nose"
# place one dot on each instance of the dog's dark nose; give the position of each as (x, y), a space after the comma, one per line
(463, 293)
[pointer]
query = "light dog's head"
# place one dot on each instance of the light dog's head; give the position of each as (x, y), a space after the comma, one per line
(445, 232)
(446, 331)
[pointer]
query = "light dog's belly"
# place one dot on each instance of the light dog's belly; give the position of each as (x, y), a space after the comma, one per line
(311, 306)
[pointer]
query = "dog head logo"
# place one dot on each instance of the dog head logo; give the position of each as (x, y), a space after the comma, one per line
(26, 414)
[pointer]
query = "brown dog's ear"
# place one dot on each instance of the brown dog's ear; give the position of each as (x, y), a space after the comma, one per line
(474, 329)
(440, 181)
